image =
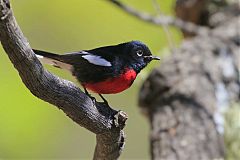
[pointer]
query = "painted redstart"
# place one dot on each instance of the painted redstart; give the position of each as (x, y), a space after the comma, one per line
(104, 70)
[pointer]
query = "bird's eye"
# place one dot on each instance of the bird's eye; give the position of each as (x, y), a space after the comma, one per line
(139, 53)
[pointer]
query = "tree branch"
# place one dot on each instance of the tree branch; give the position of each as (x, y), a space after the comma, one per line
(184, 99)
(162, 20)
(105, 122)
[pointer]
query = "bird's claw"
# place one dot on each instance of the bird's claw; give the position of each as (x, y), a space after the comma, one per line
(93, 99)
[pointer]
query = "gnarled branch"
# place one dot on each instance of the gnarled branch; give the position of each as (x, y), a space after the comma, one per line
(105, 122)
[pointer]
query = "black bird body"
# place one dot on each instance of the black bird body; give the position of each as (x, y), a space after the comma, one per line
(104, 70)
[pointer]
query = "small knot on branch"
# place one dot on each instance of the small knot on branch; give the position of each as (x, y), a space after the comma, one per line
(120, 119)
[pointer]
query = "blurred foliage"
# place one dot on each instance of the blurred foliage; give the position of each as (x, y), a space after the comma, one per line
(31, 128)
(232, 132)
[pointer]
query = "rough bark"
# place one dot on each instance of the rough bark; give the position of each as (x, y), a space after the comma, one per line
(181, 97)
(105, 122)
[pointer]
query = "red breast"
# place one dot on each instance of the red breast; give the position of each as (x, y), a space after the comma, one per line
(113, 85)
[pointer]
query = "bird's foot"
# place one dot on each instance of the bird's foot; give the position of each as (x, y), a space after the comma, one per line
(91, 97)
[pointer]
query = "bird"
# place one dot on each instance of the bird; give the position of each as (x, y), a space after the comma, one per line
(104, 70)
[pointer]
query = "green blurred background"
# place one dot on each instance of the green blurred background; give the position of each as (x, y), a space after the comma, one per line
(31, 128)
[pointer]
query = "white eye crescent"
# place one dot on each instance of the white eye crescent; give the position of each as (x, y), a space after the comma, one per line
(139, 53)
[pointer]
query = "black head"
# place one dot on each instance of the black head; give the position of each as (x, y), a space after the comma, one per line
(139, 55)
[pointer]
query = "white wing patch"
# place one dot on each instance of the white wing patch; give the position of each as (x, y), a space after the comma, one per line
(97, 60)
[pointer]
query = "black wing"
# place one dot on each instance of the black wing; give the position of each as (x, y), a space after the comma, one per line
(85, 66)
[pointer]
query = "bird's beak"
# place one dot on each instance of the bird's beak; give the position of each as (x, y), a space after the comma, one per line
(155, 58)
(152, 57)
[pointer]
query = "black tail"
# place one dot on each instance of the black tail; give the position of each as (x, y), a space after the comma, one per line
(52, 59)
(46, 54)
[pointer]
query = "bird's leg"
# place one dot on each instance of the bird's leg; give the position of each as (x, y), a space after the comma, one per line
(110, 110)
(89, 95)
(104, 100)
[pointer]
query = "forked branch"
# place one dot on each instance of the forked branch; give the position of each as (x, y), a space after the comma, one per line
(161, 20)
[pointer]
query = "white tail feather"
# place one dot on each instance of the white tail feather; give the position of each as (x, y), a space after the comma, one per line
(55, 63)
